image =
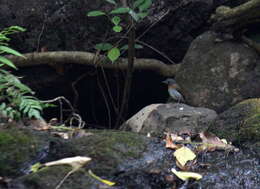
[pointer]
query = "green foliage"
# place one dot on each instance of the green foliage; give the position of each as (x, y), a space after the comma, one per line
(137, 46)
(4, 39)
(96, 13)
(113, 54)
(16, 100)
(120, 10)
(138, 11)
(111, 1)
(103, 46)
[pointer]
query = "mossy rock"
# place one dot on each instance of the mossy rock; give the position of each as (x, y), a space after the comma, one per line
(112, 152)
(18, 146)
(109, 148)
(240, 123)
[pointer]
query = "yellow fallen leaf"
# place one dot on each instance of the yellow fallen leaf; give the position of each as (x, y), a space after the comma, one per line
(186, 175)
(35, 167)
(75, 162)
(183, 155)
(224, 141)
(100, 179)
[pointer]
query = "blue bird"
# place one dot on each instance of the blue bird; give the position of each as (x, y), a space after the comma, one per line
(172, 90)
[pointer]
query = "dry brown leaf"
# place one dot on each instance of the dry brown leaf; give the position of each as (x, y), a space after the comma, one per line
(4, 180)
(54, 121)
(170, 144)
(175, 137)
(63, 135)
(38, 124)
(211, 143)
(185, 132)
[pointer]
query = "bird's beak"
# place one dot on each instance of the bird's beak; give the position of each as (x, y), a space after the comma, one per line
(165, 82)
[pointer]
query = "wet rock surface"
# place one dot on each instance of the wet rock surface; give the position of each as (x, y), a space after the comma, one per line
(133, 161)
(21, 148)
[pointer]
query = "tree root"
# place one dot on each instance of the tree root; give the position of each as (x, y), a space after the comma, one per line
(237, 17)
(56, 58)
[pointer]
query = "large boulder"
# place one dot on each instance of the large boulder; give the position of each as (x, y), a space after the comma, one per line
(240, 123)
(159, 118)
(219, 74)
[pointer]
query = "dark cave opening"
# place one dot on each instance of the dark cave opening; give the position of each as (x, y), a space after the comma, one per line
(95, 93)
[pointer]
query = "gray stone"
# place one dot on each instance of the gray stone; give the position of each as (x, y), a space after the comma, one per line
(217, 75)
(158, 118)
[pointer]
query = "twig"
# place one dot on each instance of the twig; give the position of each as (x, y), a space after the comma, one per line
(59, 99)
(156, 50)
(74, 83)
(64, 178)
(78, 118)
(40, 36)
(106, 103)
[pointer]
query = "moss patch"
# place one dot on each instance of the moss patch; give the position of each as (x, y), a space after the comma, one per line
(17, 146)
(108, 148)
(241, 123)
(250, 130)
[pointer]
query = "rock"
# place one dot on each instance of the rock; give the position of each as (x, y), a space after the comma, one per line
(20, 148)
(113, 154)
(217, 75)
(240, 123)
(126, 158)
(158, 118)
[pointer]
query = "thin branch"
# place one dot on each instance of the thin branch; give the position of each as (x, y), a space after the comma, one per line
(156, 50)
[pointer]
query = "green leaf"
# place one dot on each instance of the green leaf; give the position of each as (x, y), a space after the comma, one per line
(117, 28)
(4, 38)
(145, 6)
(2, 106)
(116, 20)
(16, 28)
(121, 10)
(113, 54)
(111, 1)
(96, 13)
(134, 15)
(137, 46)
(125, 47)
(7, 62)
(103, 46)
(10, 51)
(142, 15)
(35, 167)
(137, 3)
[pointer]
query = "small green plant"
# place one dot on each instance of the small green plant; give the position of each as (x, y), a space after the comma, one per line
(16, 99)
(137, 11)
(131, 14)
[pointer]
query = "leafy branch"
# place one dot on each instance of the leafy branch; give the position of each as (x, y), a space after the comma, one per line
(16, 99)
(136, 12)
